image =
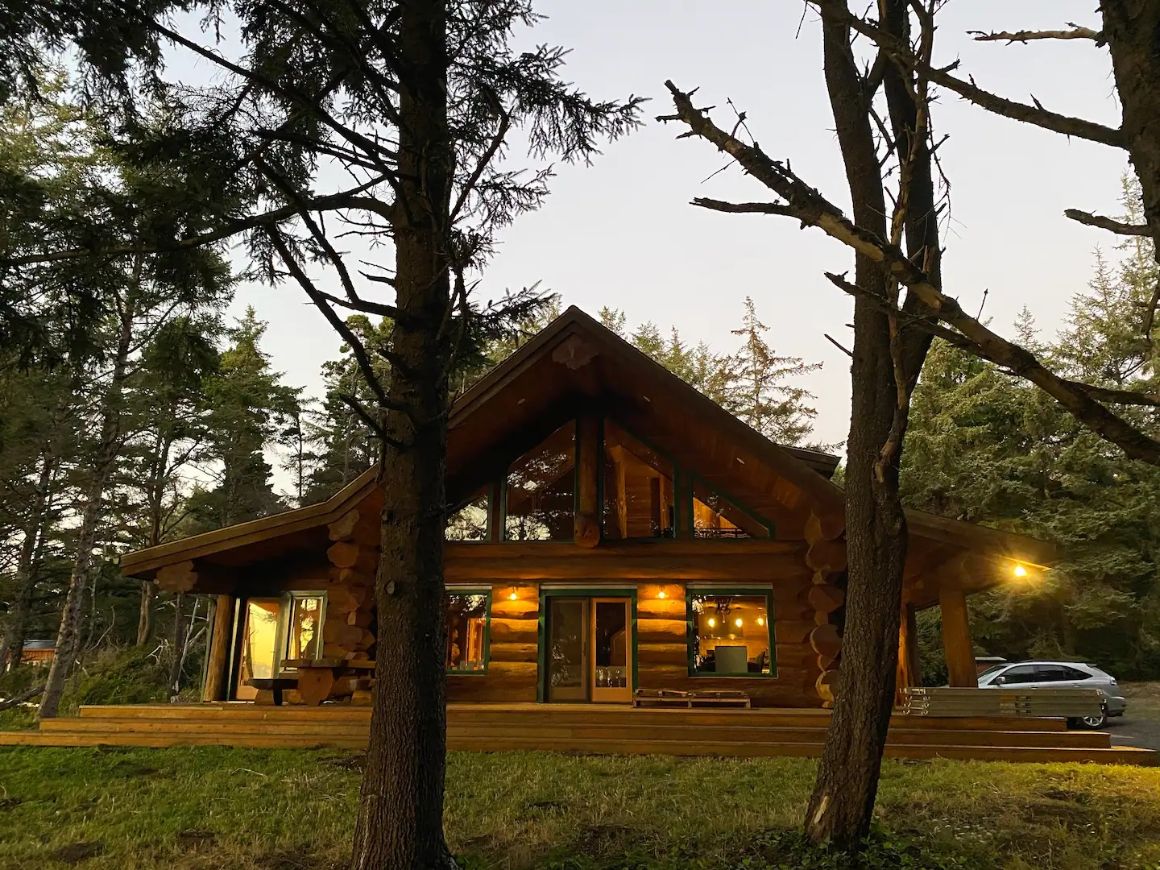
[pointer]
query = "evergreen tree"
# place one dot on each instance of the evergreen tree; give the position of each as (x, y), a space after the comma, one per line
(248, 412)
(761, 393)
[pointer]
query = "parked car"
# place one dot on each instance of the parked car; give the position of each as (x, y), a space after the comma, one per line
(1059, 675)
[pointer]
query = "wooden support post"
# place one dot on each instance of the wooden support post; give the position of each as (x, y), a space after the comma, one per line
(587, 520)
(909, 674)
(495, 512)
(956, 634)
(217, 678)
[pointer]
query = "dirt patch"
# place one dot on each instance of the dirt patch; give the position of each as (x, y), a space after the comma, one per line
(545, 808)
(75, 853)
(290, 859)
(346, 762)
(603, 839)
(193, 839)
(10, 803)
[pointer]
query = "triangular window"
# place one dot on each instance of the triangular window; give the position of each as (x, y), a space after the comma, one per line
(468, 521)
(715, 516)
(540, 490)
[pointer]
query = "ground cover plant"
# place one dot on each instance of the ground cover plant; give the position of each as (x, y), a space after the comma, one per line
(214, 807)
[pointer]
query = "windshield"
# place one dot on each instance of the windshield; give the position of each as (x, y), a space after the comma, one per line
(991, 671)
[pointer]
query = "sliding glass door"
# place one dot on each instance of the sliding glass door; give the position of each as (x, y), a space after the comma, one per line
(589, 649)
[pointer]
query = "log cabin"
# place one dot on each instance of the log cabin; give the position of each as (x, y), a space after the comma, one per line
(612, 534)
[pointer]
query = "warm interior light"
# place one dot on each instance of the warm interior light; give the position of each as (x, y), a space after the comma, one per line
(514, 595)
(761, 620)
(662, 594)
(1019, 571)
(712, 622)
(739, 622)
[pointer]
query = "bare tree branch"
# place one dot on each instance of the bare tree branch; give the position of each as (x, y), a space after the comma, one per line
(744, 207)
(1075, 32)
(1031, 114)
(812, 208)
(1106, 223)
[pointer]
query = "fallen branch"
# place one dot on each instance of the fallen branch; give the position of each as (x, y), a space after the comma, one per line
(22, 698)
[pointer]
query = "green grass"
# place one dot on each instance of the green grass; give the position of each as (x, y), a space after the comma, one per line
(216, 807)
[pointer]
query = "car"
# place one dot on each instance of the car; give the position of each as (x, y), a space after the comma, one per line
(1059, 675)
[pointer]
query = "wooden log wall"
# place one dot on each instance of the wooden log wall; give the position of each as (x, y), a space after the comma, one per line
(514, 645)
(826, 596)
(353, 558)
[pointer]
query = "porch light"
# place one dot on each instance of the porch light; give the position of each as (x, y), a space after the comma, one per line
(1019, 571)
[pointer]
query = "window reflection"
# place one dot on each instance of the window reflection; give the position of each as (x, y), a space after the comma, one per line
(730, 633)
(259, 644)
(638, 488)
(466, 620)
(304, 635)
(541, 490)
(469, 521)
(716, 517)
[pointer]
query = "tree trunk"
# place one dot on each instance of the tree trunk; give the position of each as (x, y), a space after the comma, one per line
(179, 636)
(842, 804)
(1132, 31)
(27, 565)
(145, 612)
(400, 818)
(108, 449)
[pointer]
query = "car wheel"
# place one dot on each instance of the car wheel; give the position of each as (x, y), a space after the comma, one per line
(1095, 722)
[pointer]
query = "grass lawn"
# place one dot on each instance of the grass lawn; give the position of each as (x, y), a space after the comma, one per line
(216, 807)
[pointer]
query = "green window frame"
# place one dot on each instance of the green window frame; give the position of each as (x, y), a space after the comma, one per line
(503, 487)
(486, 593)
(721, 591)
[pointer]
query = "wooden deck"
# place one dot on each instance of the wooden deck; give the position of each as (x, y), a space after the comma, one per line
(591, 728)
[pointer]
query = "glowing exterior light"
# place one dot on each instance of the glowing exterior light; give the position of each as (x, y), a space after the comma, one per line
(1019, 571)
(739, 622)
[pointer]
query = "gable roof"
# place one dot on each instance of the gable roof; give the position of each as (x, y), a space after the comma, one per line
(575, 362)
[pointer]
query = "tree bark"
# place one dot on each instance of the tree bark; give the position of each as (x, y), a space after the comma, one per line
(27, 565)
(1132, 31)
(400, 818)
(886, 362)
(108, 449)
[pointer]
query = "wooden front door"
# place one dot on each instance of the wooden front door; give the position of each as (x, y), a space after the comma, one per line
(589, 652)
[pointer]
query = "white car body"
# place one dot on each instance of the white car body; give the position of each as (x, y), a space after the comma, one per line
(1055, 675)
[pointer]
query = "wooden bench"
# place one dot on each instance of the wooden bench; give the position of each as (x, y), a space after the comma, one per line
(678, 698)
(325, 679)
(1066, 703)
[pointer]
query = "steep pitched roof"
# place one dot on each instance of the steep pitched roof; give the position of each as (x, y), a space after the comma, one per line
(576, 362)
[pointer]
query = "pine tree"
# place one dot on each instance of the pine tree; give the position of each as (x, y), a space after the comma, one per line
(249, 408)
(761, 393)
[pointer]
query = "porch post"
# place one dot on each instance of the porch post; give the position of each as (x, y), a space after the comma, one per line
(587, 520)
(956, 634)
(908, 663)
(217, 678)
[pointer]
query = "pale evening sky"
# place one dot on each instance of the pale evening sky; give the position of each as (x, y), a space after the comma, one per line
(621, 232)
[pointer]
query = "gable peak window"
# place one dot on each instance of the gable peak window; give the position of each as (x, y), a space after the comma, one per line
(540, 490)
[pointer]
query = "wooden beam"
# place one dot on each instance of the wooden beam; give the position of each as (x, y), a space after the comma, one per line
(956, 634)
(217, 678)
(587, 519)
(909, 673)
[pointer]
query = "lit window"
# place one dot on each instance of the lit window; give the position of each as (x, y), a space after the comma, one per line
(716, 517)
(730, 634)
(466, 616)
(468, 521)
(638, 488)
(540, 490)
